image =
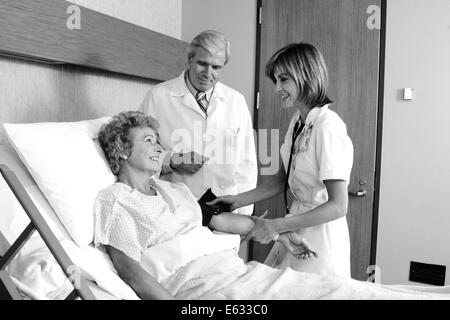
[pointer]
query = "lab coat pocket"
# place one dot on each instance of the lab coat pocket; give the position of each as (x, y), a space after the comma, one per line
(233, 137)
(231, 144)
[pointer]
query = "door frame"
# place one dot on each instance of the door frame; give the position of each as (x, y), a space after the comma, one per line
(379, 125)
(251, 246)
(379, 135)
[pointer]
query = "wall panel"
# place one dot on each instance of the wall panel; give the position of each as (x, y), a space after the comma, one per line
(36, 92)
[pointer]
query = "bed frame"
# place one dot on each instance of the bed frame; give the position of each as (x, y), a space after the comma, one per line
(8, 290)
(37, 223)
(37, 31)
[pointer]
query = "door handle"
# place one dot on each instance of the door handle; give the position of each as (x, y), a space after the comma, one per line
(357, 194)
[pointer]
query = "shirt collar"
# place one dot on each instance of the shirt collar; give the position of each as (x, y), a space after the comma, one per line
(159, 187)
(180, 88)
(315, 113)
(192, 89)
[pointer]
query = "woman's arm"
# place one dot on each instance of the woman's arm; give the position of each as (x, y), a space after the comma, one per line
(263, 192)
(266, 230)
(242, 224)
(334, 208)
(145, 286)
(232, 223)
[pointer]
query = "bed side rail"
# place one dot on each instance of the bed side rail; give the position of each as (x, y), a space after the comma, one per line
(8, 290)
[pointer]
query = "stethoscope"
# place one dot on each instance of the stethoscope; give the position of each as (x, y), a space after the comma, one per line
(298, 128)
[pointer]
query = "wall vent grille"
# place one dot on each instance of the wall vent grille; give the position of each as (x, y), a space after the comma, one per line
(427, 273)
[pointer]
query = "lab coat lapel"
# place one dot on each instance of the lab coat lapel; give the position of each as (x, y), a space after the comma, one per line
(218, 92)
(189, 101)
(216, 97)
(181, 90)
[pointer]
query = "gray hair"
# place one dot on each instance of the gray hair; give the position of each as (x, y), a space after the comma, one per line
(210, 40)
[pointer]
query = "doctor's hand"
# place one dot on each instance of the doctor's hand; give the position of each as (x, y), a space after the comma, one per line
(297, 246)
(230, 200)
(264, 230)
(188, 163)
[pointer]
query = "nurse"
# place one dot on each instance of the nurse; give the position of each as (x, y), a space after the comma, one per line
(317, 155)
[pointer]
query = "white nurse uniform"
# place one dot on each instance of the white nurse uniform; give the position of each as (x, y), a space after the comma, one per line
(322, 151)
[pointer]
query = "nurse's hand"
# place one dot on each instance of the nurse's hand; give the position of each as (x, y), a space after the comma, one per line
(297, 246)
(188, 163)
(232, 201)
(264, 230)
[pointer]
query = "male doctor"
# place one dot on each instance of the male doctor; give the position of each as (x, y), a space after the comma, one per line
(205, 125)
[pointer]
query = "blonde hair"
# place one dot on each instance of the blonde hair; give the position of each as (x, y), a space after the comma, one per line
(304, 63)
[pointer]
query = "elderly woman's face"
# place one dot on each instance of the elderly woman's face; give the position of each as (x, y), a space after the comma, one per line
(286, 89)
(146, 150)
(205, 68)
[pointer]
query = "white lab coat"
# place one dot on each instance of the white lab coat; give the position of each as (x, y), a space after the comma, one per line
(225, 136)
(323, 151)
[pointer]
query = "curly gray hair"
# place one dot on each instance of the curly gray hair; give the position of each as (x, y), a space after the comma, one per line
(114, 136)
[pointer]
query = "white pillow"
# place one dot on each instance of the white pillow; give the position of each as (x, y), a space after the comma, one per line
(68, 166)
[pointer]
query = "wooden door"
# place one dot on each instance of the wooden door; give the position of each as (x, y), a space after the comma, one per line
(340, 29)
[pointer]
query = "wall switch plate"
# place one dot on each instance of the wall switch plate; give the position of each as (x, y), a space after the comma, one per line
(408, 93)
(427, 273)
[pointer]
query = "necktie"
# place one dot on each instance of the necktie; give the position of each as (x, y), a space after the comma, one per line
(201, 100)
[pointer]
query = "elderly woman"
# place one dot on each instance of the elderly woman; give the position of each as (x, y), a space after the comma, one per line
(152, 228)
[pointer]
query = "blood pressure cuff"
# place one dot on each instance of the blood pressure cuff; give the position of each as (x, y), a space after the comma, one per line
(208, 211)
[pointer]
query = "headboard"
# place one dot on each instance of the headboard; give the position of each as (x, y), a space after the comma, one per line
(42, 29)
(50, 72)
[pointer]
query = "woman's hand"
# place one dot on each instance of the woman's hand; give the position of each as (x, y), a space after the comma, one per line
(297, 246)
(264, 230)
(230, 200)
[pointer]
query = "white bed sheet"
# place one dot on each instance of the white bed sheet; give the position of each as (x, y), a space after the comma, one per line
(222, 276)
